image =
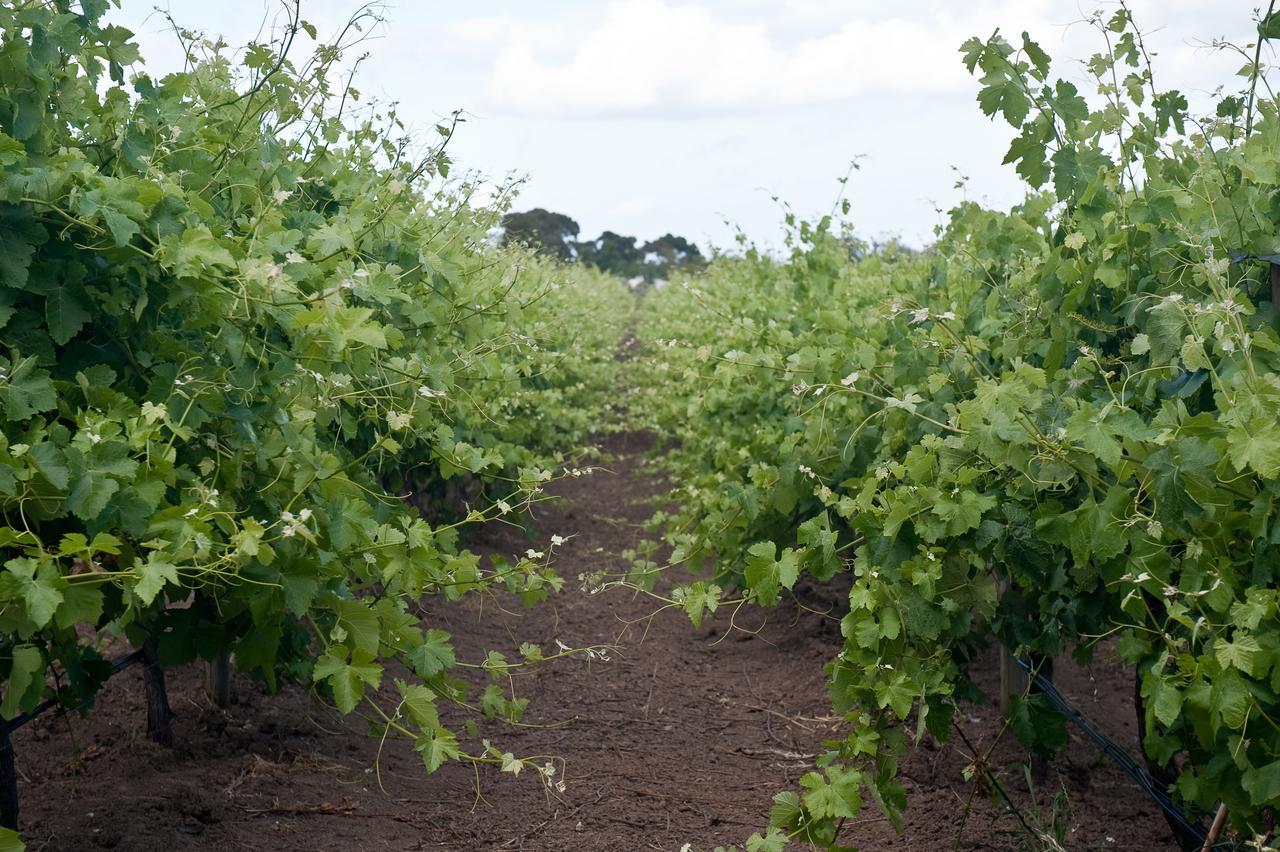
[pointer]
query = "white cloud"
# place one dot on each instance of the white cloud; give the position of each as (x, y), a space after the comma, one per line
(664, 58)
(484, 33)
(653, 57)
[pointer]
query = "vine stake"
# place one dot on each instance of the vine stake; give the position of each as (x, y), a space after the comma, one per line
(8, 782)
(159, 714)
(220, 680)
(1219, 819)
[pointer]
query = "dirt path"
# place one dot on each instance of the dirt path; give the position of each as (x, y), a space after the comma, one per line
(681, 737)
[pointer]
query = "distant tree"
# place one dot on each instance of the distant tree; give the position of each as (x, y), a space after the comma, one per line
(552, 234)
(556, 235)
(668, 255)
(613, 253)
(675, 252)
(888, 249)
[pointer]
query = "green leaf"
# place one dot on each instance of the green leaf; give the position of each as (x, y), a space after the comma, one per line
(11, 150)
(1263, 783)
(492, 702)
(195, 251)
(1038, 724)
(1231, 700)
(973, 49)
(1095, 435)
(105, 543)
(1028, 153)
(26, 681)
(15, 255)
(1171, 111)
(11, 841)
(361, 624)
(774, 840)
(1039, 59)
(152, 576)
(81, 604)
(28, 113)
(898, 695)
(1002, 93)
(836, 797)
(330, 238)
(788, 568)
(419, 704)
(65, 311)
(437, 746)
(1269, 27)
(1240, 653)
(25, 389)
(1250, 612)
(890, 623)
(51, 462)
(40, 584)
(785, 810)
(90, 494)
(433, 656)
(122, 227)
(761, 572)
(1255, 445)
(1168, 703)
(347, 679)
(43, 595)
(1166, 327)
(1075, 170)
(701, 598)
(73, 544)
(1094, 530)
(1193, 355)
(963, 511)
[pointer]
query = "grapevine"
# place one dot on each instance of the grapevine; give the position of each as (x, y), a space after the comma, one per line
(264, 368)
(1052, 427)
(242, 318)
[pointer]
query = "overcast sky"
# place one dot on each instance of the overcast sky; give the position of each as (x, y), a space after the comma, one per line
(648, 116)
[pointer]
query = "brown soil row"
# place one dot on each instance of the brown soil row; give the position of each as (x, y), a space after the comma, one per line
(681, 736)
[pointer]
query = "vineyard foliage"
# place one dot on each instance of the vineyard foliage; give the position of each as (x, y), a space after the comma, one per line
(1056, 425)
(260, 367)
(243, 315)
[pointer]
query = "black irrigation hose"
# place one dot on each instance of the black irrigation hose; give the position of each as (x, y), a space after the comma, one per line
(18, 721)
(1240, 256)
(1120, 756)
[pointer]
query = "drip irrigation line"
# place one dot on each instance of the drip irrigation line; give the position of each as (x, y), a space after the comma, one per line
(1121, 757)
(18, 721)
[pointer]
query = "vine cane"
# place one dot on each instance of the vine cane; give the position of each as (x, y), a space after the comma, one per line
(1219, 819)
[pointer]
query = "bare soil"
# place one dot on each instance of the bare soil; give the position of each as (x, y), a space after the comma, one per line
(682, 736)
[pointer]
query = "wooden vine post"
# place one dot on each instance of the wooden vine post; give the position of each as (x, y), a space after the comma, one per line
(1013, 679)
(1016, 681)
(159, 714)
(219, 684)
(8, 781)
